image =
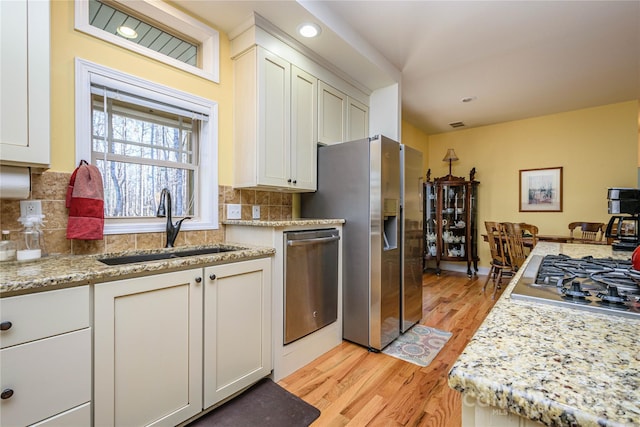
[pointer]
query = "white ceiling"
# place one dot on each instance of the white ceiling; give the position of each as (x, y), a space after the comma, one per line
(518, 59)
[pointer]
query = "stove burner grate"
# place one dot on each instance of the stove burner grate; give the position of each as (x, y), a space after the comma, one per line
(603, 285)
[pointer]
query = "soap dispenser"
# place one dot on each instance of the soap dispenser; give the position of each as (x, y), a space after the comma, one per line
(7, 247)
(30, 242)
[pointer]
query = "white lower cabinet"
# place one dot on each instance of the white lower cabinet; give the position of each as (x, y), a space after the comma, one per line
(161, 341)
(148, 350)
(45, 361)
(237, 327)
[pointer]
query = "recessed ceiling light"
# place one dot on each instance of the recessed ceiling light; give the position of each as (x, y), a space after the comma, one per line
(469, 98)
(127, 32)
(309, 30)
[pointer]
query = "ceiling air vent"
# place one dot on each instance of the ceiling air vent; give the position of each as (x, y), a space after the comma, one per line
(456, 125)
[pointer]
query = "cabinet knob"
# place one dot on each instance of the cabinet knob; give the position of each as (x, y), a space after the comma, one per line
(6, 393)
(289, 180)
(6, 325)
(198, 279)
(295, 182)
(212, 276)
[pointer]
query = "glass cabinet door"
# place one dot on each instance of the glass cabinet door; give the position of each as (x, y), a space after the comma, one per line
(453, 222)
(430, 220)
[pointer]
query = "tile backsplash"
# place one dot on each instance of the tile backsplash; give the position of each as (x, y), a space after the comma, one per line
(51, 188)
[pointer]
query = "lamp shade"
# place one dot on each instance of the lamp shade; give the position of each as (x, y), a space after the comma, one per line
(450, 156)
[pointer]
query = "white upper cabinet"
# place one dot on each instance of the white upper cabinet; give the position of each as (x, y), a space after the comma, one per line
(304, 128)
(274, 127)
(287, 99)
(332, 117)
(24, 83)
(357, 120)
(340, 117)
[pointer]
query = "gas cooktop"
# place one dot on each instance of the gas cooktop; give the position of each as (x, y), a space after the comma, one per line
(602, 285)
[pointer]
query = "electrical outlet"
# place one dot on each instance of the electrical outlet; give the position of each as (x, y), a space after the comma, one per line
(30, 207)
(234, 211)
(256, 212)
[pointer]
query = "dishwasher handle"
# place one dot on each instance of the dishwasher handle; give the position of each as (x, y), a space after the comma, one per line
(312, 241)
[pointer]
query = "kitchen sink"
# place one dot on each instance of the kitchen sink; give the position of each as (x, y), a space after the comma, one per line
(132, 259)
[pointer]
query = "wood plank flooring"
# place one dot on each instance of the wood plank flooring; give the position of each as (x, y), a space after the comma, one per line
(355, 387)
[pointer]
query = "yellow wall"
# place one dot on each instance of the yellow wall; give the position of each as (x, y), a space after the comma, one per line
(597, 148)
(67, 44)
(415, 138)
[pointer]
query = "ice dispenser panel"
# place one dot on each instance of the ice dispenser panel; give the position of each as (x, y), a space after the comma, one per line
(390, 223)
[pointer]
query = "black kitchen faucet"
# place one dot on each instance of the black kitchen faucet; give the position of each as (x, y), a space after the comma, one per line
(172, 229)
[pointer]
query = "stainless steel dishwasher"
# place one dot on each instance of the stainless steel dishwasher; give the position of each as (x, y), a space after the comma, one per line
(310, 281)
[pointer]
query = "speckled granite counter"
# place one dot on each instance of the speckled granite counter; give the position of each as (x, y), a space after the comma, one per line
(284, 223)
(558, 366)
(54, 272)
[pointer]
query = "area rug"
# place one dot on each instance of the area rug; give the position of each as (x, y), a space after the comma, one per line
(419, 345)
(265, 404)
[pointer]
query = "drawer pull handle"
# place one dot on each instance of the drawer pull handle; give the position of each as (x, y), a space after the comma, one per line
(5, 326)
(6, 393)
(198, 279)
(212, 276)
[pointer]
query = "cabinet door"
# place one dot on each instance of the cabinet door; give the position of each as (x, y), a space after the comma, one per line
(332, 114)
(274, 119)
(304, 131)
(24, 82)
(357, 120)
(148, 350)
(237, 327)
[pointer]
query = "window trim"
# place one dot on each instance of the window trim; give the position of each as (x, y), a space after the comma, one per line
(208, 38)
(207, 203)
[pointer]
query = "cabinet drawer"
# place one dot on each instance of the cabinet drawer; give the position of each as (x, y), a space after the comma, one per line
(44, 314)
(76, 417)
(47, 377)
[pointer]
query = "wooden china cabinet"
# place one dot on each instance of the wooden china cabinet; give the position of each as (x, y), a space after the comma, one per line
(450, 220)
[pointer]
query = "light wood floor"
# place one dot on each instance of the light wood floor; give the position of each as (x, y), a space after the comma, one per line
(355, 387)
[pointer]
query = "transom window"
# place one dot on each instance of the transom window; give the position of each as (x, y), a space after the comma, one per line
(145, 137)
(122, 24)
(154, 29)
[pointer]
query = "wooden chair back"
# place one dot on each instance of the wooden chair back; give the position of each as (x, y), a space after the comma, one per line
(500, 265)
(515, 244)
(530, 229)
(587, 230)
(495, 237)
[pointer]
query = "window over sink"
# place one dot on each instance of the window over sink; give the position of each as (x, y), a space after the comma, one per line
(144, 137)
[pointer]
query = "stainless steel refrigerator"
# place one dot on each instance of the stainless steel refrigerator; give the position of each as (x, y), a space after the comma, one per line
(360, 182)
(412, 236)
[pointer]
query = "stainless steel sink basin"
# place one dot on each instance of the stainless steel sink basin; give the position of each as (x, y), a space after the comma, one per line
(132, 259)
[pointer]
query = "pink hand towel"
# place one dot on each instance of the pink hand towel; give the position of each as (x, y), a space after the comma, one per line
(85, 201)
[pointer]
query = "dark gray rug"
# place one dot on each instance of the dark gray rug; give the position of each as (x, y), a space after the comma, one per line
(264, 404)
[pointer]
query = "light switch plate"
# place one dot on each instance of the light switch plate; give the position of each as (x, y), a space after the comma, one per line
(256, 212)
(234, 211)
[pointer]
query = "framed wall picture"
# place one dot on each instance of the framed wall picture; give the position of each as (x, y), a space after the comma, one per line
(541, 190)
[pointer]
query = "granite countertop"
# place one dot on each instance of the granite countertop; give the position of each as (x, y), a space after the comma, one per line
(54, 272)
(284, 222)
(559, 366)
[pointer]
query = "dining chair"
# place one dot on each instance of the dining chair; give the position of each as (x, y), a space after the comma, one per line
(531, 230)
(515, 245)
(593, 231)
(499, 263)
